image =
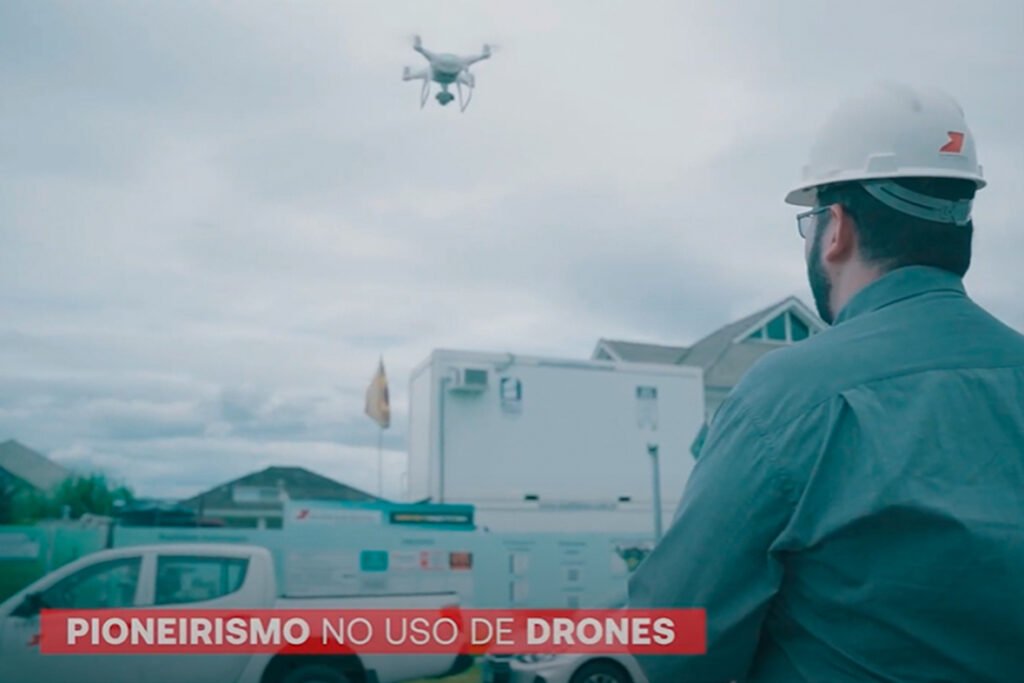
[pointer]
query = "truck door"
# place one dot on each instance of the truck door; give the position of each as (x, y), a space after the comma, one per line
(198, 582)
(104, 585)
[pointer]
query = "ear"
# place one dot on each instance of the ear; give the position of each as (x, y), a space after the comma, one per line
(841, 244)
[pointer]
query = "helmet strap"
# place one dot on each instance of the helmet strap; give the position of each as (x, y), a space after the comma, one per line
(904, 200)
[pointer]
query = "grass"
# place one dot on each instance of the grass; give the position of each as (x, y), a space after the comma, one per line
(471, 675)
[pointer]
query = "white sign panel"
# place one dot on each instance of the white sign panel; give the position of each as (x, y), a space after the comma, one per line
(18, 546)
(310, 513)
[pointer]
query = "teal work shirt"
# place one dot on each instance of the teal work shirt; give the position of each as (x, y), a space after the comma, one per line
(857, 510)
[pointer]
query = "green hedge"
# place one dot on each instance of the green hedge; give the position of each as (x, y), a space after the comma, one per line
(57, 545)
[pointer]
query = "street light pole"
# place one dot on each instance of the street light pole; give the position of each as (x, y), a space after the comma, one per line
(652, 450)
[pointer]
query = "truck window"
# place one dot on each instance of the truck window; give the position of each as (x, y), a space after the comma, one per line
(102, 585)
(181, 579)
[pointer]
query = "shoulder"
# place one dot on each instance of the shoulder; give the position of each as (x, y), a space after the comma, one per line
(898, 340)
(774, 419)
(794, 379)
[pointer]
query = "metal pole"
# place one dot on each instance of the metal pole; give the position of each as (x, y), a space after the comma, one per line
(652, 450)
(440, 438)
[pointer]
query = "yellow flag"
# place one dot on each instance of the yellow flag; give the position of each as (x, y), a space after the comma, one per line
(377, 405)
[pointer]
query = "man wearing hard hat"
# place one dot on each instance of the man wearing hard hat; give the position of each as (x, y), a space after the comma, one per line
(857, 510)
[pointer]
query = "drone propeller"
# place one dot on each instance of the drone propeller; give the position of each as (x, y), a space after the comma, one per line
(485, 53)
(409, 75)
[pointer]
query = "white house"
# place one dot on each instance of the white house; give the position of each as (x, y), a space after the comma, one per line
(728, 352)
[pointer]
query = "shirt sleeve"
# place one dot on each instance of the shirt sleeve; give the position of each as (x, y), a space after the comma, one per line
(716, 555)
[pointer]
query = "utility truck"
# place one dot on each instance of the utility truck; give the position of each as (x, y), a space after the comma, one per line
(195, 576)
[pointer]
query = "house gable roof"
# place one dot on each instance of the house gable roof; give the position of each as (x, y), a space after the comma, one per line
(710, 350)
(706, 351)
(790, 304)
(30, 466)
(294, 483)
(637, 352)
(724, 355)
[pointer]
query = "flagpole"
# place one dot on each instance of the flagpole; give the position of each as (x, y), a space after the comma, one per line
(378, 408)
(380, 462)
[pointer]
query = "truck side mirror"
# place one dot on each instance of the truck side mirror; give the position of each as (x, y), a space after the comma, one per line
(30, 606)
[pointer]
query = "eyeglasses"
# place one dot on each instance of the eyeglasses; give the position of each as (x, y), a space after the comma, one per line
(805, 221)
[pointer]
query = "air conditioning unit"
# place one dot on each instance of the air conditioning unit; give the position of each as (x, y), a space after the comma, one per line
(468, 380)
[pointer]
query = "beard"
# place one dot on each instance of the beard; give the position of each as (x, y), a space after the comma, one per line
(821, 284)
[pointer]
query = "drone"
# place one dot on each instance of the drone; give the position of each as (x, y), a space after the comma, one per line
(445, 69)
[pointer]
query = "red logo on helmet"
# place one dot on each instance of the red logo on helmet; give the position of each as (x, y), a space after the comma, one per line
(955, 144)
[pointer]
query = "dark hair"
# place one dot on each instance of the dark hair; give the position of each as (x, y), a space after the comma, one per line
(892, 239)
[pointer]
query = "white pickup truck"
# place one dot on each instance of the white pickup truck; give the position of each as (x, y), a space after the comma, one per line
(196, 576)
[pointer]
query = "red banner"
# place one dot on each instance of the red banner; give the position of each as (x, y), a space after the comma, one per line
(139, 631)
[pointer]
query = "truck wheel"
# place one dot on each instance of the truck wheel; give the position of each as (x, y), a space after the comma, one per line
(315, 673)
(601, 672)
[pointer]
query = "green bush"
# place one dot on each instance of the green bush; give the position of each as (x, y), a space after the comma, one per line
(79, 495)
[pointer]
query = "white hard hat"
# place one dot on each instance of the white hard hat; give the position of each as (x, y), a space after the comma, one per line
(893, 131)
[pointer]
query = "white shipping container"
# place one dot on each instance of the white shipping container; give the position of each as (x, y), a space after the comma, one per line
(550, 444)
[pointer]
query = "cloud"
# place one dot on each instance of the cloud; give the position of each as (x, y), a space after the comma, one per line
(216, 217)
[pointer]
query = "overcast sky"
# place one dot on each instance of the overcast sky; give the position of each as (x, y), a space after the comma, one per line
(216, 216)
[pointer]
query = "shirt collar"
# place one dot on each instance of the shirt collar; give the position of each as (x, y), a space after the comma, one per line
(897, 285)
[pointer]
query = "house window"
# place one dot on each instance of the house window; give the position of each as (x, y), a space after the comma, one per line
(785, 329)
(798, 328)
(776, 329)
(257, 494)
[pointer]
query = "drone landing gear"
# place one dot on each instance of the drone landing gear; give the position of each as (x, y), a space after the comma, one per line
(464, 101)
